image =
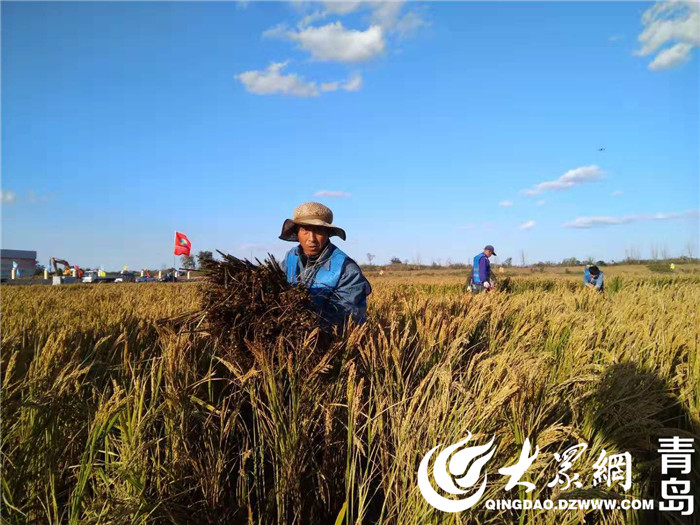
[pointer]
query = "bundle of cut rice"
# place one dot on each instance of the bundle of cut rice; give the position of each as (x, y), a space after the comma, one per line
(247, 304)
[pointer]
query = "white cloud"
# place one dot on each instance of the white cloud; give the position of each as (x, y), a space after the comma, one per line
(672, 22)
(616, 193)
(614, 38)
(7, 196)
(601, 221)
(331, 193)
(271, 81)
(672, 215)
(354, 83)
(408, 24)
(307, 20)
(671, 57)
(505, 203)
(32, 197)
(526, 225)
(330, 86)
(571, 178)
(333, 42)
(597, 220)
(280, 30)
(540, 203)
(386, 14)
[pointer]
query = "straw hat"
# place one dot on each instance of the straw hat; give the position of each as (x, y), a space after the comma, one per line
(310, 214)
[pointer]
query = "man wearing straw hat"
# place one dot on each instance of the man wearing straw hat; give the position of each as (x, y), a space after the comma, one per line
(335, 282)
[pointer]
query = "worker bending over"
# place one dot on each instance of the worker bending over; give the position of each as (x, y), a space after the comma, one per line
(593, 278)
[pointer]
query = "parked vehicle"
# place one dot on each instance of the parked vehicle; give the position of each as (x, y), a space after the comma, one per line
(126, 277)
(91, 276)
(145, 279)
(168, 278)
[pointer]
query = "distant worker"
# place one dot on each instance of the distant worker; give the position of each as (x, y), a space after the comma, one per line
(481, 271)
(335, 282)
(593, 278)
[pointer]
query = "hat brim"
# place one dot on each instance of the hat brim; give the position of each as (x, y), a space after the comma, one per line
(289, 230)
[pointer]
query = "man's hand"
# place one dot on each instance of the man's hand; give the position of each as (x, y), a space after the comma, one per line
(487, 285)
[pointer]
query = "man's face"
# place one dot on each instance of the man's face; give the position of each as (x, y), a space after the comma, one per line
(488, 253)
(313, 239)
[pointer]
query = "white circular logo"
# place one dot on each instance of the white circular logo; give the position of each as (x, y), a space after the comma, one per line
(464, 474)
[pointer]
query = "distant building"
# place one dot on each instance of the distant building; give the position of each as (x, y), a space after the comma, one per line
(26, 262)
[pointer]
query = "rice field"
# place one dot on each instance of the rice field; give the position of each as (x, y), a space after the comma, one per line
(110, 415)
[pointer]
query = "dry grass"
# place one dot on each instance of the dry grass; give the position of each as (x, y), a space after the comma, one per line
(111, 417)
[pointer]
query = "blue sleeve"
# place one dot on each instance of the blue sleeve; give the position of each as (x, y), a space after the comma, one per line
(484, 269)
(284, 264)
(599, 281)
(350, 296)
(586, 276)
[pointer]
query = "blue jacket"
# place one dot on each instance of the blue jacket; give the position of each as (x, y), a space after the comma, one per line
(338, 288)
(597, 281)
(481, 269)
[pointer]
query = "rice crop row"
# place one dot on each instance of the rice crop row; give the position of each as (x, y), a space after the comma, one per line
(110, 415)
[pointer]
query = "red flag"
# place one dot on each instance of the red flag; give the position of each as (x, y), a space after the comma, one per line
(182, 244)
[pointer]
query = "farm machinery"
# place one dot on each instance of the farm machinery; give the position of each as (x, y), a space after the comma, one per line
(69, 274)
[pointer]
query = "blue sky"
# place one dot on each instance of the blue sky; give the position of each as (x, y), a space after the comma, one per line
(423, 125)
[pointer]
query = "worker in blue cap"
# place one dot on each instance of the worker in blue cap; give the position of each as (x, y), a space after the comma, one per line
(481, 270)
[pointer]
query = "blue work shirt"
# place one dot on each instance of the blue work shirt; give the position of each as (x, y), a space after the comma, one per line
(485, 269)
(597, 281)
(350, 295)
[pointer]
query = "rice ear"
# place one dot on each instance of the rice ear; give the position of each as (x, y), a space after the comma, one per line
(245, 302)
